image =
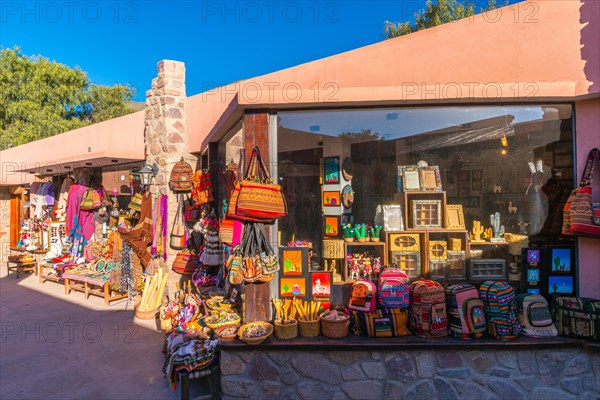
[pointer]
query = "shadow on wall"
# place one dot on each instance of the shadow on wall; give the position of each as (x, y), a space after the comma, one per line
(590, 52)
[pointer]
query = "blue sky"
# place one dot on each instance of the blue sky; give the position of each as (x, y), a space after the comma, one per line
(220, 42)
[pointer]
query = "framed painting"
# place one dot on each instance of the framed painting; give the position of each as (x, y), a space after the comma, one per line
(561, 260)
(429, 178)
(320, 284)
(292, 287)
(410, 178)
(331, 198)
(331, 226)
(293, 261)
(561, 284)
(331, 170)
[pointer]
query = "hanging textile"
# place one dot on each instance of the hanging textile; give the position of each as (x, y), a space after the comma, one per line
(126, 268)
(159, 223)
(141, 236)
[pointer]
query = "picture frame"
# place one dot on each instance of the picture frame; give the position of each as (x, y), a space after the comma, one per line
(331, 198)
(457, 265)
(410, 178)
(331, 170)
(534, 256)
(347, 197)
(408, 261)
(321, 284)
(563, 284)
(293, 287)
(437, 269)
(429, 179)
(393, 218)
(427, 213)
(331, 226)
(293, 261)
(455, 218)
(561, 260)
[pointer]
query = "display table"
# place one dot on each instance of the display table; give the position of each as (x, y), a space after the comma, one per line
(27, 266)
(91, 285)
(42, 276)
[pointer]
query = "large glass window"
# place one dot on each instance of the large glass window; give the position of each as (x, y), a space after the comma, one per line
(514, 160)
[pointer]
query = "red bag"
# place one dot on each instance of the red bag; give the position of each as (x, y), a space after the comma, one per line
(230, 231)
(202, 190)
(579, 213)
(185, 263)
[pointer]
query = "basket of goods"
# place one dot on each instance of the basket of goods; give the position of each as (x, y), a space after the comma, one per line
(308, 319)
(218, 303)
(286, 326)
(334, 324)
(255, 332)
(227, 333)
(222, 318)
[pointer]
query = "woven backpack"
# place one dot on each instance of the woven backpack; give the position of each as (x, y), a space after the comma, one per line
(181, 177)
(428, 309)
(500, 310)
(466, 315)
(535, 317)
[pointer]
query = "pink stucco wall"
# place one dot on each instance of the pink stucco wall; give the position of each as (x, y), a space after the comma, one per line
(587, 115)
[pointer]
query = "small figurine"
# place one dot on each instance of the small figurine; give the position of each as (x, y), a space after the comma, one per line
(497, 228)
(476, 232)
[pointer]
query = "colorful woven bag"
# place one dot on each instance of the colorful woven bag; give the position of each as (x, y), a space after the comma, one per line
(577, 317)
(580, 216)
(181, 177)
(385, 322)
(257, 198)
(202, 190)
(185, 263)
(428, 309)
(178, 238)
(87, 202)
(501, 311)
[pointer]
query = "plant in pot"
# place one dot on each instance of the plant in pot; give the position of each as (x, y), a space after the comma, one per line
(349, 233)
(374, 233)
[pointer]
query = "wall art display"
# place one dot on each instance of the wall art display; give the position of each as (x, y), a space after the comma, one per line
(427, 213)
(561, 259)
(347, 169)
(393, 219)
(561, 284)
(331, 199)
(410, 178)
(533, 256)
(332, 225)
(293, 261)
(429, 178)
(533, 291)
(320, 284)
(455, 218)
(533, 276)
(331, 173)
(292, 287)
(347, 196)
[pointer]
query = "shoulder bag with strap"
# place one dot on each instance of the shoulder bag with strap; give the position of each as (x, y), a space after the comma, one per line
(178, 235)
(580, 216)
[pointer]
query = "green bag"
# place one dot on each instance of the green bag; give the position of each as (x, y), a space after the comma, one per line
(87, 202)
(577, 317)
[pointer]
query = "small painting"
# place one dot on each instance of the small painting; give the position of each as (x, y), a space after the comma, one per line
(331, 199)
(561, 260)
(292, 287)
(533, 256)
(293, 262)
(533, 276)
(331, 173)
(332, 226)
(320, 283)
(560, 284)
(533, 291)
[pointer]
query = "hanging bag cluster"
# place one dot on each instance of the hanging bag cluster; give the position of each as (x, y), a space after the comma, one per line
(254, 260)
(202, 190)
(256, 198)
(178, 237)
(580, 216)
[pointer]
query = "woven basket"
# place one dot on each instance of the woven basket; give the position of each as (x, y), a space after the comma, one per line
(309, 328)
(289, 331)
(224, 336)
(255, 340)
(337, 328)
(145, 315)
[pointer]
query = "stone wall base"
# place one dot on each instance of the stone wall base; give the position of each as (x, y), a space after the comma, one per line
(543, 374)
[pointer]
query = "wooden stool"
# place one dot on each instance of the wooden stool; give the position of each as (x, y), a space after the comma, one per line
(28, 266)
(212, 374)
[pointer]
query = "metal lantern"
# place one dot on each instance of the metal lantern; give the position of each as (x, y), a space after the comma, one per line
(145, 174)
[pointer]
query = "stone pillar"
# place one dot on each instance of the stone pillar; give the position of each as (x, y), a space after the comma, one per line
(4, 223)
(165, 131)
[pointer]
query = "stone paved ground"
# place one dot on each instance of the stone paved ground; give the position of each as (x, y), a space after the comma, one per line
(54, 346)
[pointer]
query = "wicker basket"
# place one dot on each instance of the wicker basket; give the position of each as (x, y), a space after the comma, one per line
(227, 336)
(145, 315)
(255, 340)
(335, 328)
(309, 328)
(289, 331)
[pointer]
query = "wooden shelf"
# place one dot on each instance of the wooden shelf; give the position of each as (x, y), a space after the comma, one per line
(347, 245)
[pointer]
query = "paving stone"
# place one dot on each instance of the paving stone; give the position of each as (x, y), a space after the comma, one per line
(500, 372)
(237, 387)
(589, 396)
(395, 390)
(588, 382)
(459, 384)
(339, 396)
(448, 359)
(527, 364)
(445, 389)
(546, 393)
(506, 390)
(400, 367)
(474, 392)
(309, 390)
(528, 383)
(262, 368)
(507, 359)
(348, 357)
(363, 390)
(271, 390)
(572, 385)
(247, 356)
(231, 364)
(420, 391)
(353, 373)
(291, 395)
(289, 377)
(425, 365)
(374, 370)
(482, 364)
(455, 373)
(376, 355)
(578, 365)
(314, 366)
(280, 357)
(551, 366)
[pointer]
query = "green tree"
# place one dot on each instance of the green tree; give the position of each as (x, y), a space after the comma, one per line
(434, 14)
(41, 98)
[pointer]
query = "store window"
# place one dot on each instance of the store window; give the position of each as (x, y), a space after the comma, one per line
(469, 164)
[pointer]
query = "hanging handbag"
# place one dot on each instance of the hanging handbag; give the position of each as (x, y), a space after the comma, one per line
(185, 263)
(230, 231)
(87, 202)
(256, 197)
(234, 267)
(580, 216)
(192, 211)
(202, 190)
(135, 203)
(178, 239)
